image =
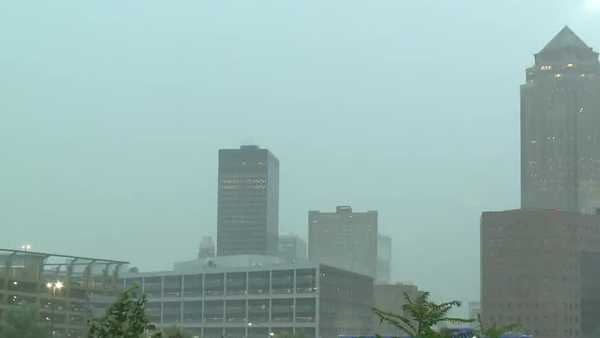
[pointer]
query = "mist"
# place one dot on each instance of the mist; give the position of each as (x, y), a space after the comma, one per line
(112, 114)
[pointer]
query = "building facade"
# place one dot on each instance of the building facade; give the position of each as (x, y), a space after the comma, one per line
(560, 128)
(68, 290)
(292, 248)
(258, 301)
(541, 269)
(248, 202)
(207, 247)
(391, 298)
(344, 239)
(474, 310)
(384, 259)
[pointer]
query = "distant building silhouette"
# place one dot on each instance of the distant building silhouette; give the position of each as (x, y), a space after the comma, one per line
(384, 259)
(344, 239)
(292, 248)
(560, 127)
(207, 247)
(248, 202)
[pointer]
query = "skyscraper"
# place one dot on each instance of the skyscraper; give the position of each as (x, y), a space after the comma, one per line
(344, 239)
(248, 202)
(560, 128)
(384, 259)
(541, 268)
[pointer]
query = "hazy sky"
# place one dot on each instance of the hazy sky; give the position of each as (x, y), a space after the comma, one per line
(112, 113)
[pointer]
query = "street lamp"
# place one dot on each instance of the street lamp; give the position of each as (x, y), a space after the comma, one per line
(54, 286)
(58, 285)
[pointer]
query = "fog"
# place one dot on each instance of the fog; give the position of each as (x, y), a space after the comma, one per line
(112, 114)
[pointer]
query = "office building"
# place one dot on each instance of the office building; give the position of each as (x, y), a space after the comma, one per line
(69, 290)
(541, 269)
(560, 128)
(240, 296)
(344, 239)
(248, 202)
(391, 298)
(207, 247)
(384, 259)
(292, 248)
(474, 310)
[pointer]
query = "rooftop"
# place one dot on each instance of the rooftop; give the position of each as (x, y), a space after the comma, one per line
(69, 258)
(565, 39)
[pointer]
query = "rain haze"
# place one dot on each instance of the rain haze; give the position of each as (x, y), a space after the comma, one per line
(113, 112)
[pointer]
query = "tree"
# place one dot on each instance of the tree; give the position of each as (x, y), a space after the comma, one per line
(126, 318)
(23, 321)
(421, 316)
(494, 331)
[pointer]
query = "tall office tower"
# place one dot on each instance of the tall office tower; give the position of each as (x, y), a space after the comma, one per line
(248, 202)
(384, 259)
(560, 128)
(207, 247)
(292, 248)
(541, 269)
(344, 239)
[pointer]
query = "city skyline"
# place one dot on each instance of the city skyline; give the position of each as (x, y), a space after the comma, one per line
(113, 128)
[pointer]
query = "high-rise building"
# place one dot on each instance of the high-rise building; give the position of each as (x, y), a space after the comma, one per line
(384, 258)
(207, 247)
(541, 269)
(248, 202)
(292, 248)
(540, 265)
(344, 239)
(560, 128)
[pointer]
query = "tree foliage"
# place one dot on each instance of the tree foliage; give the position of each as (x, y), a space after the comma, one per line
(126, 318)
(421, 316)
(23, 321)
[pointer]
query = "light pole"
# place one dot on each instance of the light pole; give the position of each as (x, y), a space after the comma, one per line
(56, 286)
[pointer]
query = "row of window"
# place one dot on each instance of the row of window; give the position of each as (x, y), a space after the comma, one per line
(252, 311)
(254, 283)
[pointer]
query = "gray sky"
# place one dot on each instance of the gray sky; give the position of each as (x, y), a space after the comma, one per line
(112, 113)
